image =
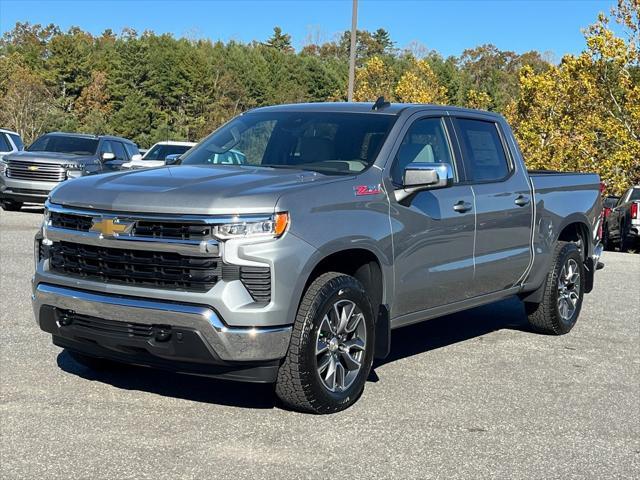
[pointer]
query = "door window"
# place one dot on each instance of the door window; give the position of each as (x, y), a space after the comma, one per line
(425, 142)
(5, 146)
(105, 147)
(485, 158)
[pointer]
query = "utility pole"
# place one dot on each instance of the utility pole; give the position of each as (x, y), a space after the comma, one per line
(352, 50)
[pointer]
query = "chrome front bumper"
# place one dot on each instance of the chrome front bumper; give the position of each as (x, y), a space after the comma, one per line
(229, 344)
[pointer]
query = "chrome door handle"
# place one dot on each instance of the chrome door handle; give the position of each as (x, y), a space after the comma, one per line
(522, 201)
(462, 207)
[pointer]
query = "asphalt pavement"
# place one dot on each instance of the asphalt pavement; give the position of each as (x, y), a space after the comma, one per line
(472, 395)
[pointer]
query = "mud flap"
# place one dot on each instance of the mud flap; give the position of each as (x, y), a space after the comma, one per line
(383, 333)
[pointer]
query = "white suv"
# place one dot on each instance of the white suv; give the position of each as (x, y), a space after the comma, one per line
(9, 142)
(156, 155)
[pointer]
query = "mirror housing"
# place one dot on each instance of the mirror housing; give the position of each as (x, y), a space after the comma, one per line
(135, 158)
(172, 159)
(424, 176)
(108, 156)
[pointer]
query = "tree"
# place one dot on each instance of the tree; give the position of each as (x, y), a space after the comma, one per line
(280, 41)
(420, 85)
(373, 80)
(26, 104)
(584, 114)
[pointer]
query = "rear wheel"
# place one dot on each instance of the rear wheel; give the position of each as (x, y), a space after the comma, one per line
(11, 206)
(331, 349)
(559, 309)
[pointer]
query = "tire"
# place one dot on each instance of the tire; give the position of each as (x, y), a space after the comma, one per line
(92, 363)
(550, 316)
(606, 239)
(623, 244)
(303, 384)
(11, 206)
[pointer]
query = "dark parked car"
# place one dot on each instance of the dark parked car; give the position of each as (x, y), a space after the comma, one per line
(29, 175)
(608, 203)
(623, 223)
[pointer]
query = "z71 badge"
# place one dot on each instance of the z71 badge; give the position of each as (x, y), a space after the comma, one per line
(361, 190)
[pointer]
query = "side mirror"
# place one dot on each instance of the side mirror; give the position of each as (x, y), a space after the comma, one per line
(172, 159)
(424, 176)
(136, 157)
(108, 156)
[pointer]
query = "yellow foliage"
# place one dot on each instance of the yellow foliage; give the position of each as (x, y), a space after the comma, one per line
(373, 80)
(584, 114)
(420, 85)
(478, 100)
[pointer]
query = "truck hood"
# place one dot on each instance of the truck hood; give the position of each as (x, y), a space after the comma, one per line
(209, 190)
(48, 157)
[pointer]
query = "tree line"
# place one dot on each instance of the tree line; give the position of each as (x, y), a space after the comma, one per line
(581, 113)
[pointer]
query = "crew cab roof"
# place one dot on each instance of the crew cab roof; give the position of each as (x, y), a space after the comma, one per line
(366, 107)
(89, 135)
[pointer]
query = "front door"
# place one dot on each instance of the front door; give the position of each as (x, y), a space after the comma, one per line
(432, 234)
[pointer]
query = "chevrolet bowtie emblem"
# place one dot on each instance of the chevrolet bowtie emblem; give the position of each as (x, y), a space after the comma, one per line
(33, 167)
(110, 227)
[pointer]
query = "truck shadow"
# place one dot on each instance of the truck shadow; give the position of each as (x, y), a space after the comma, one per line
(405, 342)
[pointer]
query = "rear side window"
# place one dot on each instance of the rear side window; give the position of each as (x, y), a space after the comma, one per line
(484, 154)
(5, 146)
(118, 149)
(132, 149)
(635, 195)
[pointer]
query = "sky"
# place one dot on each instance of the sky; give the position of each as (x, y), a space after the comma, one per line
(449, 27)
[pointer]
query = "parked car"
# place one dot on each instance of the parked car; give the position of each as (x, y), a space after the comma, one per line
(346, 221)
(608, 203)
(232, 157)
(156, 155)
(623, 223)
(10, 142)
(29, 175)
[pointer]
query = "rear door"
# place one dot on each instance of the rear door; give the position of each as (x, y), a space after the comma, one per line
(503, 205)
(432, 235)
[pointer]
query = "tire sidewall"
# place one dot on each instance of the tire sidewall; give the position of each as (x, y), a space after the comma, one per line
(346, 288)
(570, 250)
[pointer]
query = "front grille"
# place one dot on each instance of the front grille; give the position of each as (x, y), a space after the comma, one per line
(80, 223)
(35, 171)
(107, 327)
(172, 230)
(156, 229)
(133, 267)
(257, 280)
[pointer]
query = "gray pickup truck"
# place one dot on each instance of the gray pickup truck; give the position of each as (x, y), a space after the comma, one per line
(28, 176)
(347, 221)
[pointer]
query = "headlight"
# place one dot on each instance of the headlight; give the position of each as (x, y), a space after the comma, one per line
(3, 167)
(74, 173)
(272, 227)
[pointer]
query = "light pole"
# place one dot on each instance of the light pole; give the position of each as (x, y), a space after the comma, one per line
(352, 50)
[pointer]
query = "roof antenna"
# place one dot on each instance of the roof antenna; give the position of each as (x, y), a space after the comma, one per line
(380, 103)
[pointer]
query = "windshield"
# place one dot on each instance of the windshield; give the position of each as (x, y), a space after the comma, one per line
(65, 144)
(160, 152)
(332, 143)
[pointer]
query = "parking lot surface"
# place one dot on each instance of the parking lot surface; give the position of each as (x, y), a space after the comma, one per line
(471, 395)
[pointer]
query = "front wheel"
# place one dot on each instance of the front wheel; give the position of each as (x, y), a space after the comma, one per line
(558, 311)
(11, 206)
(331, 349)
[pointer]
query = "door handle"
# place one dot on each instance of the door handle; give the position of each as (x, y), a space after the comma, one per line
(522, 201)
(462, 206)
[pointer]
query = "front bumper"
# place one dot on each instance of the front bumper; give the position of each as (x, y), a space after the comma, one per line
(25, 191)
(183, 337)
